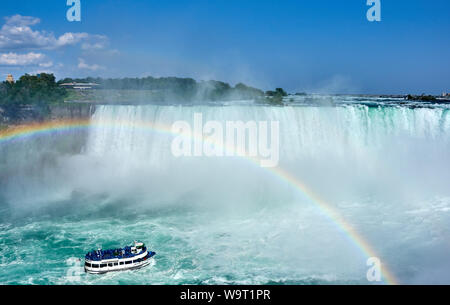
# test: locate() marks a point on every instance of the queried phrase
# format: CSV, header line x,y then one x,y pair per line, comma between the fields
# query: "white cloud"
x,y
95,42
70,39
28,59
19,20
46,64
17,34
83,65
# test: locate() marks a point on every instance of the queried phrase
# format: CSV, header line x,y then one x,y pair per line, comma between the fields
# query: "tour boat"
x,y
130,257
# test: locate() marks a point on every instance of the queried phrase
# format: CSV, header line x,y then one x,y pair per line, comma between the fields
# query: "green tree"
x,y
33,90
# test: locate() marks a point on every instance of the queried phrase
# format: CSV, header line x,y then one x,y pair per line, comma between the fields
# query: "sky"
x,y
314,46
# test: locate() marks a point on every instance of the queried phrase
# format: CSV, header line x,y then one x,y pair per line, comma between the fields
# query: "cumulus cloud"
x,y
28,59
70,39
17,34
83,65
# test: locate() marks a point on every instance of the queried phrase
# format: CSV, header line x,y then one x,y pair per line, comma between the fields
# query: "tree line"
x,y
42,90
186,89
36,90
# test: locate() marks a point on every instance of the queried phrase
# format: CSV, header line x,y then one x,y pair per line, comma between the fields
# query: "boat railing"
x,y
112,254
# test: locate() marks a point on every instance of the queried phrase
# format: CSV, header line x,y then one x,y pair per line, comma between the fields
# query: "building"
x,y
445,94
79,86
10,79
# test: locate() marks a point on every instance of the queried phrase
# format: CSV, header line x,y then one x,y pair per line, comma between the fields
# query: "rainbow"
x,y
17,133
46,128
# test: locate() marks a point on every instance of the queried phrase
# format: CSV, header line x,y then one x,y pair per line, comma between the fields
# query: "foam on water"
x,y
222,220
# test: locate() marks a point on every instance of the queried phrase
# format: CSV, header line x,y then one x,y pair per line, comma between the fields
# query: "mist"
x,y
384,169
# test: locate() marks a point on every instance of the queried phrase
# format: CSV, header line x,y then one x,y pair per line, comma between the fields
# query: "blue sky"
x,y
314,46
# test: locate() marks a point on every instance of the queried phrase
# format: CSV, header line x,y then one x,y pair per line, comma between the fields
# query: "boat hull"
x,y
118,265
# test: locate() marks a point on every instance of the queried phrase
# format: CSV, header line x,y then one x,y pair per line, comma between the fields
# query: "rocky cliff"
x,y
29,114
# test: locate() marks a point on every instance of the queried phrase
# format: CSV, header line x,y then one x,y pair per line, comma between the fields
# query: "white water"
x,y
225,220
400,149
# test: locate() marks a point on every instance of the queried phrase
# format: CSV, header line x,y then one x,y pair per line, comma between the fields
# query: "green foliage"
x,y
147,83
248,92
278,92
161,89
31,90
276,97
41,90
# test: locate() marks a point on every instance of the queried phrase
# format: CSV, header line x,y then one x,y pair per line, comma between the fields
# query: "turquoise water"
x,y
226,221
193,247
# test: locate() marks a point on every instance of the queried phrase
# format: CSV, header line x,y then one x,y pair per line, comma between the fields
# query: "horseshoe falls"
x,y
354,181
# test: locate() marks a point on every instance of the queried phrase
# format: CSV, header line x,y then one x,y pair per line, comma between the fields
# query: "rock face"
x,y
28,114
2,116
71,111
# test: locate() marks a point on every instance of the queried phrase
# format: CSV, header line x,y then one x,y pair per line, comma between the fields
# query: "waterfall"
x,y
226,219
304,131
336,150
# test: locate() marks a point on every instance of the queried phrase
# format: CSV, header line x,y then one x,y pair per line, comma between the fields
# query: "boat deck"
x,y
120,253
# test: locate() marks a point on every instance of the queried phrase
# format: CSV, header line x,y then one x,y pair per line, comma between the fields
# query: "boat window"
x,y
128,262
110,264
103,265
121,263
115,264
88,265
94,266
